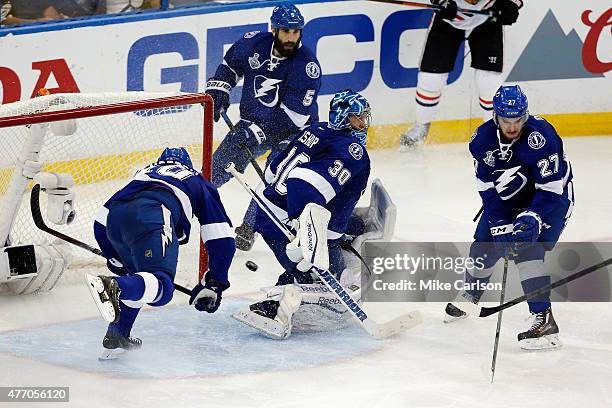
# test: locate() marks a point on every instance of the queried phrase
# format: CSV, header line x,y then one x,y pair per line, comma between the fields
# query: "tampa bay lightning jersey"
x,y
321,165
530,173
196,195
278,94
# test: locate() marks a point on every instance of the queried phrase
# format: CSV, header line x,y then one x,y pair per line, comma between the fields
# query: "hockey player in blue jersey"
x,y
281,82
319,177
139,230
525,181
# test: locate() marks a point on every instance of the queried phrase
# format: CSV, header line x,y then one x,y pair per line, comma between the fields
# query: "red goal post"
x,y
100,139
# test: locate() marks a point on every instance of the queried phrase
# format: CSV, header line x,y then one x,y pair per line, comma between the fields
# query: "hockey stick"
x,y
482,311
40,223
376,330
436,7
245,150
348,247
499,319
478,214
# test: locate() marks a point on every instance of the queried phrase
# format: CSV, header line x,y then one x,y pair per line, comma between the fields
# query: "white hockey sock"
x,y
428,93
487,82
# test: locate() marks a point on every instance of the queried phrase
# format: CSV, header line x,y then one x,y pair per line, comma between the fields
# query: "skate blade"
x,y
96,287
466,307
544,343
111,354
452,319
268,327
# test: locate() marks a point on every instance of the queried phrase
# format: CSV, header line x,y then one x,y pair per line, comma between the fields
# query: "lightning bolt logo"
x,y
262,86
166,235
508,177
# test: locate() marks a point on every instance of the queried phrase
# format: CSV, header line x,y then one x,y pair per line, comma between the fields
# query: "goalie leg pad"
x,y
379,217
51,262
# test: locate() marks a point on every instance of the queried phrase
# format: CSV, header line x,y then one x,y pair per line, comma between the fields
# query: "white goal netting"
x,y
101,154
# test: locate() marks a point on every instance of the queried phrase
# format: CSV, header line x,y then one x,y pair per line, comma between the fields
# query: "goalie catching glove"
x,y
207,297
309,247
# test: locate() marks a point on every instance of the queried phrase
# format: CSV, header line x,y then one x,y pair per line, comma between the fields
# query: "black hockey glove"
x,y
220,92
447,8
247,134
207,297
507,11
116,266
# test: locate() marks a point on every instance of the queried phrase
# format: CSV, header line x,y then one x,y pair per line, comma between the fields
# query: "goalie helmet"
x,y
510,102
175,155
286,16
346,104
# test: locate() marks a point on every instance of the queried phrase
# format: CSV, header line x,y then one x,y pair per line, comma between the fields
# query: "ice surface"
x,y
192,359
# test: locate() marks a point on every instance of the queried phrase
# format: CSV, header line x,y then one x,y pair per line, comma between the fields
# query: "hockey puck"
x,y
252,266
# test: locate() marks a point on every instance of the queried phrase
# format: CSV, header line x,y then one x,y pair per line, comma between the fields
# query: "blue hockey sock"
x,y
132,287
127,317
474,283
539,303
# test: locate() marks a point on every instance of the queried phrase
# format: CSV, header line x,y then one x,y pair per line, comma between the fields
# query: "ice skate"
x,y
245,237
543,333
105,292
414,137
459,308
115,344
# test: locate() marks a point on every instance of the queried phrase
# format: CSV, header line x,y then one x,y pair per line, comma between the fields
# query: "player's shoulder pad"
x,y
251,34
307,63
540,134
252,39
482,137
348,147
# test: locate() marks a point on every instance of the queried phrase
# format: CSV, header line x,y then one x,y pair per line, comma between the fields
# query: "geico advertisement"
x,y
560,53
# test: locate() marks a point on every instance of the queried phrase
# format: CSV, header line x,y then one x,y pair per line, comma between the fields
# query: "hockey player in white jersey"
x,y
447,31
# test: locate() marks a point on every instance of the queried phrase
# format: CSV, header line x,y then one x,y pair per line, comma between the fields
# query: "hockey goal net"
x,y
100,139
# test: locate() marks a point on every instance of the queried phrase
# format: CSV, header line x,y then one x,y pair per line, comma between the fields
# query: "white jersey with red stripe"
x,y
467,21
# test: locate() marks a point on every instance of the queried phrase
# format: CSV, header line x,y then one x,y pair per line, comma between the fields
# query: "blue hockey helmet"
x,y
347,103
510,102
176,155
286,16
